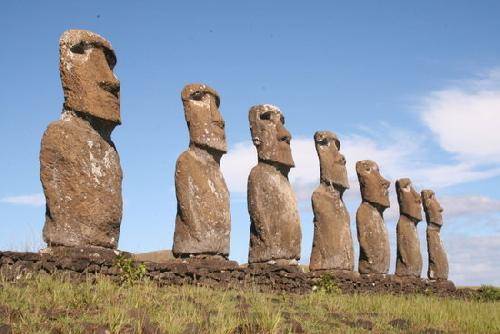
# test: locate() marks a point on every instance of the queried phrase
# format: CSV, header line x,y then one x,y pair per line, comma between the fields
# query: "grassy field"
x,y
45,304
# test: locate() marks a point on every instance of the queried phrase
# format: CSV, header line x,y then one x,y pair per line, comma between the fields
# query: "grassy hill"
x,y
46,304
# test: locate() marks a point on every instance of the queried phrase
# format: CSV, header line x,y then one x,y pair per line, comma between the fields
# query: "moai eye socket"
x,y
78,48
265,116
198,95
282,119
323,142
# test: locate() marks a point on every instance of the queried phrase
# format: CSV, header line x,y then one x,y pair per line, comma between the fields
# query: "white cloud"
x,y
36,200
474,259
466,118
466,205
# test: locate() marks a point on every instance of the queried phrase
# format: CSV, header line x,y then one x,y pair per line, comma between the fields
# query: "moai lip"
x,y
438,261
203,221
409,258
374,249
332,242
79,165
275,233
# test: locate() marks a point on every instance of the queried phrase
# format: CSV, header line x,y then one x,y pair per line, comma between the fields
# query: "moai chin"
x,y
275,233
374,249
79,165
203,221
438,261
332,243
409,259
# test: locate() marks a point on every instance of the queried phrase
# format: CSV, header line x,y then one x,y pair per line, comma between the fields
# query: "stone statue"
x,y
203,221
374,250
409,259
275,233
438,262
332,244
79,165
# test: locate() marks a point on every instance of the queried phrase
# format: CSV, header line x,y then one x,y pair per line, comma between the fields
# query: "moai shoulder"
x,y
374,249
438,261
409,258
332,242
79,165
203,221
275,233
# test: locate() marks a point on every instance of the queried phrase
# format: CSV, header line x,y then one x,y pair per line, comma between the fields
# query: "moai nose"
x,y
283,134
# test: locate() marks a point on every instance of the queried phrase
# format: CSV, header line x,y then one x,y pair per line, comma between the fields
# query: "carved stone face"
x,y
409,200
272,140
432,208
86,65
332,163
374,188
205,123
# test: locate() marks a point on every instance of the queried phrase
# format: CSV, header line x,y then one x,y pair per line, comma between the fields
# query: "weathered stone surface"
x,y
157,256
409,258
224,274
86,66
275,233
332,243
438,261
374,249
79,165
203,221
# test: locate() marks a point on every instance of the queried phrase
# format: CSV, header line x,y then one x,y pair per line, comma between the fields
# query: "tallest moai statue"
x,y
79,165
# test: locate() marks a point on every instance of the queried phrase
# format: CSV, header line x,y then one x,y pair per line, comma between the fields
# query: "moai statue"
x,y
409,259
203,221
332,244
275,233
438,262
79,165
374,249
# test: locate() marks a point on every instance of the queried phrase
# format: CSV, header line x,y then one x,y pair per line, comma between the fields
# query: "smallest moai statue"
x,y
409,259
438,261
332,244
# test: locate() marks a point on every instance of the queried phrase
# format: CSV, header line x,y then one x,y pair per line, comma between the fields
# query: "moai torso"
x,y
409,258
332,243
438,261
79,165
203,221
275,221
374,249
275,233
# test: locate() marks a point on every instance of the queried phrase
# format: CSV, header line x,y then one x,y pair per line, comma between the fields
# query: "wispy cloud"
x,y
36,200
465,118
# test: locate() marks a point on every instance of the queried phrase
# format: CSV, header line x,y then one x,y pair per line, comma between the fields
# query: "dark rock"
x,y
402,324
5,329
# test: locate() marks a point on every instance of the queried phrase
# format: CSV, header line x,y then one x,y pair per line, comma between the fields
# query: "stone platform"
x,y
80,263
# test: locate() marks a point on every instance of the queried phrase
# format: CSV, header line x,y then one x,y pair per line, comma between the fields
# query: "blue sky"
x,y
415,87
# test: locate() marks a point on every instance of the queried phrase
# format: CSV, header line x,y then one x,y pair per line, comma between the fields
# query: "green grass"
x,y
45,304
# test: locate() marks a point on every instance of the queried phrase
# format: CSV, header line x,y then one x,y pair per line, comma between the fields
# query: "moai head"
x,y
269,135
331,161
374,188
432,208
409,200
86,65
205,123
